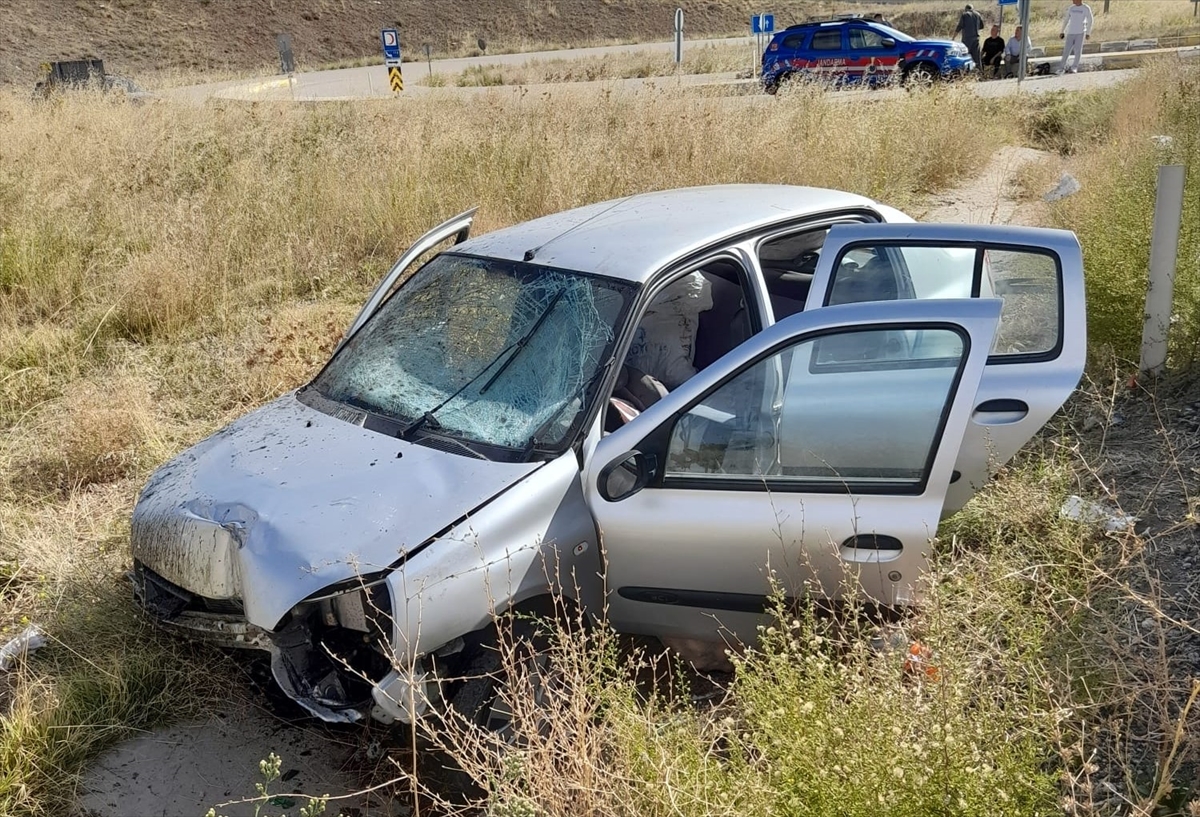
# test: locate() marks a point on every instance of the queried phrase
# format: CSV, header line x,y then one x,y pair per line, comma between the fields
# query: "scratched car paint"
x,y
643,368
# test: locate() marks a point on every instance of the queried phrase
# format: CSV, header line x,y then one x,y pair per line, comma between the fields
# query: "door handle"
x,y
1001,411
873,541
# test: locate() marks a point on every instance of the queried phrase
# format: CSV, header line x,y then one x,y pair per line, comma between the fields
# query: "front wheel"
x,y
505,678
921,75
774,85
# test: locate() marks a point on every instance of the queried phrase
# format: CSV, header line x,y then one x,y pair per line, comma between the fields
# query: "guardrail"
x,y
1117,46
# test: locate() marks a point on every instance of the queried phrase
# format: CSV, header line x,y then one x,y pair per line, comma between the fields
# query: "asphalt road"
x,y
371,82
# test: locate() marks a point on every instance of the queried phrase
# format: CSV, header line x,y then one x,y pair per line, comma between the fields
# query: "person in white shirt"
x,y
1077,27
1012,50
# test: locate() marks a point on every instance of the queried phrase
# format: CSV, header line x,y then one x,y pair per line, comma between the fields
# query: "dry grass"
x,y
710,59
172,267
1116,161
177,266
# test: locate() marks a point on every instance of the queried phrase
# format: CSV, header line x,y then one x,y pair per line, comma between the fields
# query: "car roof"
x,y
633,237
829,21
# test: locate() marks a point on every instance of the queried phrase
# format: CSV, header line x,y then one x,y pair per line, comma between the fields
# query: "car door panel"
x,y
692,554
1040,346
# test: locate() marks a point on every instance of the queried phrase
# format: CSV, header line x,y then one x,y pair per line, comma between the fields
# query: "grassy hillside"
x,y
140,35
141,38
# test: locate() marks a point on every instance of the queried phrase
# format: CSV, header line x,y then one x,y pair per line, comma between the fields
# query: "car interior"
x,y
697,331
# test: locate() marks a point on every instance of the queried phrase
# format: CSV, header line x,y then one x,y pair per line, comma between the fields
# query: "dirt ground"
x,y
186,769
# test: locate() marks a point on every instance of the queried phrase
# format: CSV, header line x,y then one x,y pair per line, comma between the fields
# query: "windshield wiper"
x,y
520,344
535,439
428,417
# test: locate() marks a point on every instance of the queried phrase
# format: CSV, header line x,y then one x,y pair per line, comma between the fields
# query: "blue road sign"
x,y
1008,2
391,43
762,24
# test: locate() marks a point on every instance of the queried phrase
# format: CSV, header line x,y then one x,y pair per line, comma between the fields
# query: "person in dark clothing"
x,y
993,50
970,23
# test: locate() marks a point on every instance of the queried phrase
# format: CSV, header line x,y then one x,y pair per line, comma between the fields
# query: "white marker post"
x,y
1164,246
1023,16
678,36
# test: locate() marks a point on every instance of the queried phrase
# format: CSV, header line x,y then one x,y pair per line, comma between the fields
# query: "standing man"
x,y
1077,27
993,48
970,23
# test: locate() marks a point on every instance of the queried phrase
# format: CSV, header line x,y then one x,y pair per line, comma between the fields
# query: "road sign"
x,y
762,24
395,79
391,43
1007,2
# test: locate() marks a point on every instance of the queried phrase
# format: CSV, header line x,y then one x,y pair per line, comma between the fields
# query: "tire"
x,y
772,88
921,75
480,698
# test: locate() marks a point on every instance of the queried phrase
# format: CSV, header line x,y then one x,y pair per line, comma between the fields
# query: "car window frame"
x,y
825,222
980,248
646,294
657,443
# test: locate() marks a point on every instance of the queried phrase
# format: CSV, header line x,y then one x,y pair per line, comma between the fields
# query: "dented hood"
x,y
288,500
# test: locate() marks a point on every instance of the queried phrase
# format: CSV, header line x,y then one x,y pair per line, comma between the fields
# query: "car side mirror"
x,y
888,42
626,476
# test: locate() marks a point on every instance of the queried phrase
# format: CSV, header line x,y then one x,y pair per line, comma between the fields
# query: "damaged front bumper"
x,y
332,654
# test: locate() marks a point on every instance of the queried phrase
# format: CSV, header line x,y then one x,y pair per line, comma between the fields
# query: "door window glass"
x,y
1029,282
853,409
865,38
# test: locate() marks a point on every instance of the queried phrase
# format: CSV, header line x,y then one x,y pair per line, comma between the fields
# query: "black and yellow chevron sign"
x,y
395,78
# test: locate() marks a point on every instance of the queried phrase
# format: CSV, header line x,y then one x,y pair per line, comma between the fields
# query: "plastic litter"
x,y
1096,513
1067,185
919,662
30,639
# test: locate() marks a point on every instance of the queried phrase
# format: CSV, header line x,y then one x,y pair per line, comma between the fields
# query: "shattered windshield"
x,y
484,351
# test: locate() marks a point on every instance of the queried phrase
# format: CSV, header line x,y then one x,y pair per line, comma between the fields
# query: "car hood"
x,y
940,44
287,501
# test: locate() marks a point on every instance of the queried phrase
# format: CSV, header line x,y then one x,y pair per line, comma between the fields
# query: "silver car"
x,y
650,406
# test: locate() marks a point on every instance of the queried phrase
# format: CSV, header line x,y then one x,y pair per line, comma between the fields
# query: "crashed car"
x,y
660,408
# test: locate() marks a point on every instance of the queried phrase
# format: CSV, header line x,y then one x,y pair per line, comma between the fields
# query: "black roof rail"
x,y
816,21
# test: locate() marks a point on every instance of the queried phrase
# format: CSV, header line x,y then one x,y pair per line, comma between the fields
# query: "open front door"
x,y
458,228
700,498
1039,350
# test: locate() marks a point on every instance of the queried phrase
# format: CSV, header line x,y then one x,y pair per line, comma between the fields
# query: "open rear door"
x,y
1039,350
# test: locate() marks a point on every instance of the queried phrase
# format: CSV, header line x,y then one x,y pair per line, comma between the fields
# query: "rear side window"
x,y
1028,281
830,40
